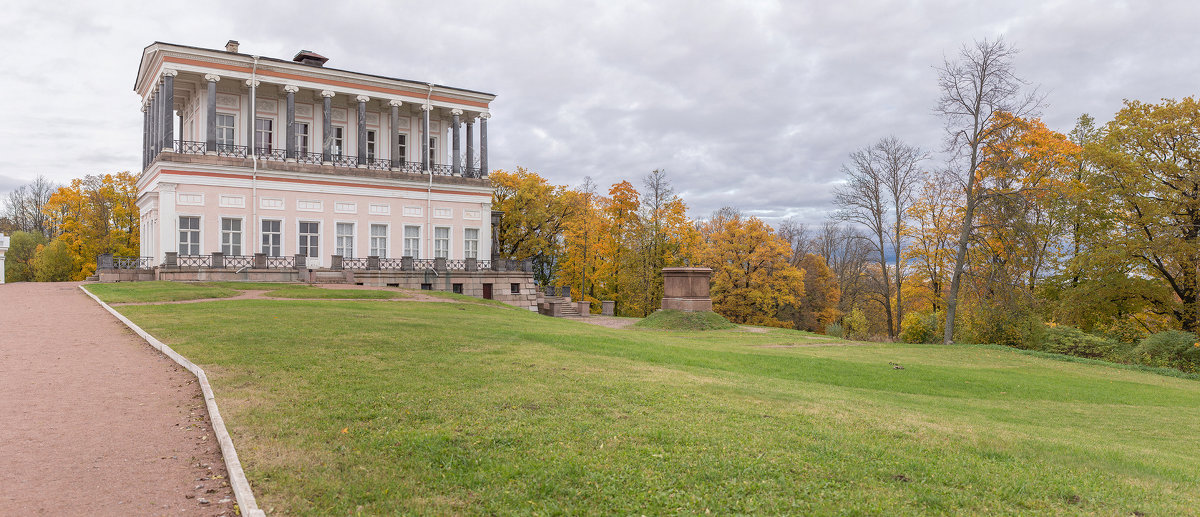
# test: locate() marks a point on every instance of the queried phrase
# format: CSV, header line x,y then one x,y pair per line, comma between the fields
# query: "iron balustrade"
x,y
194,261
131,262
314,158
423,264
456,264
391,263
281,262
235,151
190,147
484,264
354,263
271,153
280,154
238,261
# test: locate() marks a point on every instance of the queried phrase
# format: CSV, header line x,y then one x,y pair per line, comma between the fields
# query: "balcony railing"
x,y
279,154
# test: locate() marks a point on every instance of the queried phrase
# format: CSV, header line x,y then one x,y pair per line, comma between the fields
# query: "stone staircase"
x,y
559,307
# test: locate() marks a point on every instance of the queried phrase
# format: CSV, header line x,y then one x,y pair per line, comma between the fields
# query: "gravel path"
x,y
94,420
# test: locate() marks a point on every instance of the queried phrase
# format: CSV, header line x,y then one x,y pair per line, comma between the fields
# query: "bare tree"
x,y
797,235
845,251
975,87
878,190
23,207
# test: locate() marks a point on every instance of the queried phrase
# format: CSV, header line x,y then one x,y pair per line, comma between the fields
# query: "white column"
x,y
168,222
485,232
3,248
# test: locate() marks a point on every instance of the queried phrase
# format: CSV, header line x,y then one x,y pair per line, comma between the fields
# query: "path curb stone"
x,y
237,477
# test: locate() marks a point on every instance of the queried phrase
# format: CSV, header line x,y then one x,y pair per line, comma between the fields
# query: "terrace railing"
x,y
281,262
354,263
272,153
131,262
239,261
194,261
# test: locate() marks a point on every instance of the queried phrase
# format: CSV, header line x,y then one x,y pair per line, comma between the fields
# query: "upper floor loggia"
x,y
226,104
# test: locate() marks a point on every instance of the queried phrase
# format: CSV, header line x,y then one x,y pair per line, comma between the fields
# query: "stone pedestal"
x,y
608,308
686,289
584,307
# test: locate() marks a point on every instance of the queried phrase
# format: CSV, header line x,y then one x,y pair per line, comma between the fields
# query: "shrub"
x,y
53,263
18,264
1171,349
1072,341
920,327
855,325
1016,326
834,330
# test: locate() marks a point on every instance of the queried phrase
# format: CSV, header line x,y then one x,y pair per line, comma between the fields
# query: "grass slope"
x,y
462,408
680,320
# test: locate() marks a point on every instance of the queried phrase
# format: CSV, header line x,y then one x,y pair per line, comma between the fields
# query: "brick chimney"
x,y
231,46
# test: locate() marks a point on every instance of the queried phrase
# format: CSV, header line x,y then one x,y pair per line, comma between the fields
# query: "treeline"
x,y
57,231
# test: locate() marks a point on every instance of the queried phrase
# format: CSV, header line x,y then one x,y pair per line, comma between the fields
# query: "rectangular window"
x,y
264,134
457,288
412,241
302,137
433,150
345,240
379,240
272,238
401,147
231,236
339,145
370,144
514,288
189,235
441,242
309,237
471,243
225,131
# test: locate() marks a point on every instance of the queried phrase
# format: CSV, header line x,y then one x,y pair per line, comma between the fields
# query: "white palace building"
x,y
261,164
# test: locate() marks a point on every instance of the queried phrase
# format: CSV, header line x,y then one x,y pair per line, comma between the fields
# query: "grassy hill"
x,y
461,408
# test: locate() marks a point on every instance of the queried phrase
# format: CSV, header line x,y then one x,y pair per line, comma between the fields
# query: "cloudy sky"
x,y
747,104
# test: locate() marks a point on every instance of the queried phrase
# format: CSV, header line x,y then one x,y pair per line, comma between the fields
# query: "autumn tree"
x,y
975,87
1150,186
96,214
752,275
933,224
18,260
535,215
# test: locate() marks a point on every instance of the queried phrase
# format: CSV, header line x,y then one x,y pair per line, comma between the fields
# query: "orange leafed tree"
x,y
752,275
96,214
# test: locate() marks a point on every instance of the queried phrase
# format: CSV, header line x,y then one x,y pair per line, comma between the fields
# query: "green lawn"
x,y
160,291
451,408
304,291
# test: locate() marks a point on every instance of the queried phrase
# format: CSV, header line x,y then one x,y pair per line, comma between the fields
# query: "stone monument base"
x,y
686,289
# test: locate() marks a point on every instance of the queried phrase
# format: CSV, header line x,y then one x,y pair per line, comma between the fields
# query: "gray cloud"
x,y
747,104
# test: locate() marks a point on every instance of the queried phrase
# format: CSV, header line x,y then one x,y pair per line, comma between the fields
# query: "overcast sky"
x,y
747,104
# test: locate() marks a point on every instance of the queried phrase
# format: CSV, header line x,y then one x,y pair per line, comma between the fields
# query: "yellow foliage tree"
x,y
96,214
752,275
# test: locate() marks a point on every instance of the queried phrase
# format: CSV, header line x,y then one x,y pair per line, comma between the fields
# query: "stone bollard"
x,y
406,263
172,259
608,308
439,264
104,261
260,261
218,260
585,308
373,262
335,262
471,264
301,261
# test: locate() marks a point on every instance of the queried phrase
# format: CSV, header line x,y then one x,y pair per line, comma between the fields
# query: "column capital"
x,y
362,98
426,107
456,111
212,78
253,83
395,103
485,115
327,93
291,88
169,72
146,105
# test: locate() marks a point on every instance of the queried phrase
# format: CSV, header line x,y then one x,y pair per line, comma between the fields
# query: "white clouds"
x,y
753,105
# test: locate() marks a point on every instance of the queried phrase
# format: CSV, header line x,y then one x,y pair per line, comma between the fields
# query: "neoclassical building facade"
x,y
247,155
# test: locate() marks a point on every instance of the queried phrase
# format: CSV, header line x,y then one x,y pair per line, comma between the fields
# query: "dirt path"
x,y
611,322
94,420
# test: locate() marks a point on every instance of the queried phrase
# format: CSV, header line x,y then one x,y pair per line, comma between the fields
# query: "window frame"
x,y
221,130
338,247
229,248
416,239
266,248
372,249
198,231
467,249
269,133
449,237
303,249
